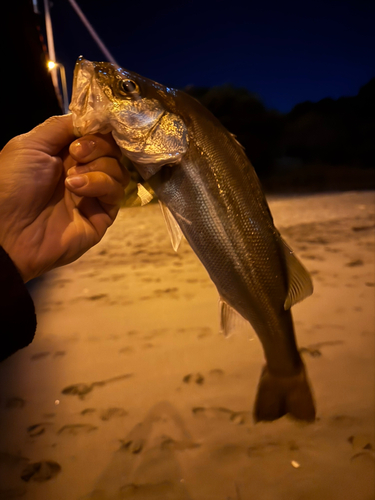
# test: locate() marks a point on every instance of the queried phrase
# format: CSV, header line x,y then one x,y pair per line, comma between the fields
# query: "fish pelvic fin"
x,y
300,283
278,396
173,228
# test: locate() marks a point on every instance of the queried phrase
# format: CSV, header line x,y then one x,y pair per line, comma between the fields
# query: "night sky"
x,y
285,52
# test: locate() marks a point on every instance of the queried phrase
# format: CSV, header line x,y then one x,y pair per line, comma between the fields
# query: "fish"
x,y
210,193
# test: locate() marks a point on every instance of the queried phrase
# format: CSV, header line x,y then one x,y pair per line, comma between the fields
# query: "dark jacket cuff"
x,y
17,312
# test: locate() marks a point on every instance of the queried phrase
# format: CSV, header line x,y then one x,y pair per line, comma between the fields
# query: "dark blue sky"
x,y
286,52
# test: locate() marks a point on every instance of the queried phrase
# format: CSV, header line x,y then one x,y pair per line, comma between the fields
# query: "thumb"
x,y
50,136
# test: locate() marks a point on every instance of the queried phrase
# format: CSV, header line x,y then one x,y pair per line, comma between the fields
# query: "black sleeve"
x,y
17,312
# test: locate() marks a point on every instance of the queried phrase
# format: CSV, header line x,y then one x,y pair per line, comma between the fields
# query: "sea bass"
x,y
210,193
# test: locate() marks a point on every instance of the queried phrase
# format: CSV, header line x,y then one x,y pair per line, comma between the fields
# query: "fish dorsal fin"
x,y
173,228
235,138
230,319
144,195
300,283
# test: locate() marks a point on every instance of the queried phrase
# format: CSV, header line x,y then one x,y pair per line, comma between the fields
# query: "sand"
x,y
130,392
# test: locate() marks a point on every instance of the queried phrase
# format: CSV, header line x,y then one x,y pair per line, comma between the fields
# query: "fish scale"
x,y
202,175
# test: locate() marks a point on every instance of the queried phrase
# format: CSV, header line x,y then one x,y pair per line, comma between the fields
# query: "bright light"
x,y
54,65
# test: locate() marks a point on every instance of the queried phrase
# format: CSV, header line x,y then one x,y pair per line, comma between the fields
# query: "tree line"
x,y
330,132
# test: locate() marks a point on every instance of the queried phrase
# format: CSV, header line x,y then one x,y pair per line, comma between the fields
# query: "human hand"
x,y
58,194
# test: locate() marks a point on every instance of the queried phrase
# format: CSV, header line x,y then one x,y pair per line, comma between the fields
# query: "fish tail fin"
x,y
278,396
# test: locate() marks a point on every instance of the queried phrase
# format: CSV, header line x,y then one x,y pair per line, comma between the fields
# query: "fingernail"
x,y
72,171
82,148
77,181
78,170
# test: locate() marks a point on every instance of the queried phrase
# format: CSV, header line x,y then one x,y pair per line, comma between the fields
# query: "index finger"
x,y
91,147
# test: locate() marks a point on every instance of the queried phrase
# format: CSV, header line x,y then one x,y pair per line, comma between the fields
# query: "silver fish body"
x,y
202,175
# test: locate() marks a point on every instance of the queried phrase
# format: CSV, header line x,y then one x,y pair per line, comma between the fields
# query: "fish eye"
x,y
128,87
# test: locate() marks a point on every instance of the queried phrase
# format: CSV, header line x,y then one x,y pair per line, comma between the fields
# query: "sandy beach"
x,y
129,391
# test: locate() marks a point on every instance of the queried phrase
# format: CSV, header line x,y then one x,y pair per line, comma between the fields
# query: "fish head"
x,y
140,113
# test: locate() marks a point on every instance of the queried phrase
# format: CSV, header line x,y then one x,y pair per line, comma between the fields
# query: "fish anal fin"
x,y
173,228
279,396
230,319
299,279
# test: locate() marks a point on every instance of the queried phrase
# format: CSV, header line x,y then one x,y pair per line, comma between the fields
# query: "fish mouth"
x,y
88,101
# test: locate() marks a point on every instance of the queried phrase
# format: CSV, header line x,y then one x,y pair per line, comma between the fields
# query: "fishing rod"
x,y
92,32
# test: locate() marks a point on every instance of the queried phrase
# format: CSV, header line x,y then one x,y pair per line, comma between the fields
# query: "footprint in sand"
x,y
217,413
168,443
148,345
78,389
40,471
311,351
228,452
216,373
267,447
131,333
355,263
170,292
133,446
96,297
360,442
204,332
15,402
37,429
163,489
313,257
126,350
362,446
88,411
366,455
76,429
197,378
59,354
314,350
344,420
49,415
61,282
40,355
362,228
82,389
110,413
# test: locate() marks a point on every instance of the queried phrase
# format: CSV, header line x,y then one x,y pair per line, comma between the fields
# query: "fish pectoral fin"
x,y
173,228
230,319
143,194
135,197
299,279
